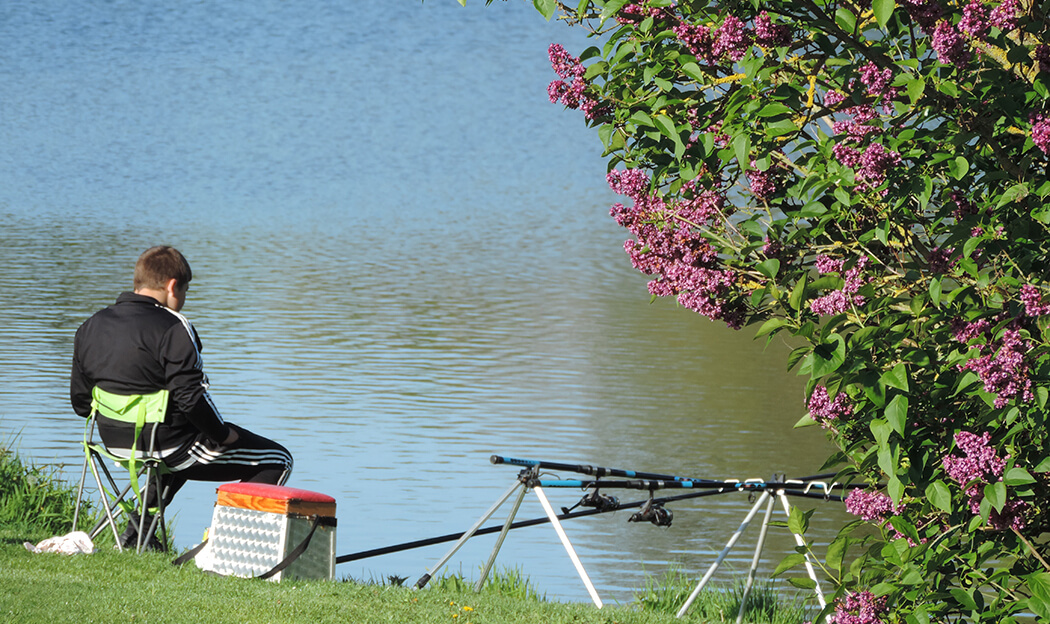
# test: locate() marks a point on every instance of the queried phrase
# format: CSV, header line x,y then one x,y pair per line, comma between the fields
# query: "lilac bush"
x,y
870,177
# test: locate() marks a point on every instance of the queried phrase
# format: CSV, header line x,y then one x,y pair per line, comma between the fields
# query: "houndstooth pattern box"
x,y
255,526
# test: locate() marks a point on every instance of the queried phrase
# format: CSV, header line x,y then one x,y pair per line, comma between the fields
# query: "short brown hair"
x,y
159,264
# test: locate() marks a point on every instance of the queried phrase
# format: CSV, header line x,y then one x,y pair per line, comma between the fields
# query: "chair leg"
x,y
80,492
156,519
108,519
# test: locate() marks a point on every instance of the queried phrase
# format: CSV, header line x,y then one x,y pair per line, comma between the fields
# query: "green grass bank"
x,y
110,586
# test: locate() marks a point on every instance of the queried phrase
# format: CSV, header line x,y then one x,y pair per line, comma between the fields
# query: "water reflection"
x,y
403,264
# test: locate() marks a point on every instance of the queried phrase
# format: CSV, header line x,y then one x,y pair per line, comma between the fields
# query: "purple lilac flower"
x,y
857,126
980,466
839,301
925,13
1004,16
770,35
974,21
835,302
631,182
858,608
950,47
1011,517
826,411
827,264
563,63
877,81
762,184
875,162
1033,301
963,206
556,89
940,261
1004,369
697,38
772,247
571,95
1040,131
981,462
731,39
1042,54
682,261
831,98
870,505
701,207
847,156
635,12
965,332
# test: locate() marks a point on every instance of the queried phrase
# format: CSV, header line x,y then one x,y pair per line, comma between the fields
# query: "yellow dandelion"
x,y
455,615
468,608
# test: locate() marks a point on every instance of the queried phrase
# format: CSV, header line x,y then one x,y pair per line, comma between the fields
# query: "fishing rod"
x,y
375,552
598,471
595,471
789,487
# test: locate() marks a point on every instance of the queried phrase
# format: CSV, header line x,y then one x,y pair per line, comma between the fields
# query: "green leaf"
x,y
939,494
742,148
1044,466
802,583
964,598
797,354
916,87
798,522
789,562
771,325
958,167
1039,583
769,268
798,293
1017,476
828,357
780,128
836,552
918,616
1015,192
896,378
845,19
883,10
895,488
805,421
772,109
692,70
995,494
546,7
880,430
612,7
935,291
897,413
667,128
642,119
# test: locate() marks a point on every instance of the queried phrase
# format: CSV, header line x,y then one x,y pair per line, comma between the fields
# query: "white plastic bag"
x,y
75,543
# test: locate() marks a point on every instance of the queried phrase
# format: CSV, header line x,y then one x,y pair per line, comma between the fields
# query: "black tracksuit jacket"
x,y
138,346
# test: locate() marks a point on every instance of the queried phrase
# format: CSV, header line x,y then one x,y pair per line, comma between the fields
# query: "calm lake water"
x,y
403,263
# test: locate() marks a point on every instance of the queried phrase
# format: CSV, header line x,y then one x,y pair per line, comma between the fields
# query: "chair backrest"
x,y
137,409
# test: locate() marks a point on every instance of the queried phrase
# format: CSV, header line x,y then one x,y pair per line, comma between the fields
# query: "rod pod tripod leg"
x,y
499,541
780,494
423,580
568,547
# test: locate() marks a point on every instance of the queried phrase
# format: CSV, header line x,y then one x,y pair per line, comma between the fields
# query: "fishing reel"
x,y
597,500
653,512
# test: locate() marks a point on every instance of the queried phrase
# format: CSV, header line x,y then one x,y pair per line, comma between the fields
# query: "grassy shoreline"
x,y
110,586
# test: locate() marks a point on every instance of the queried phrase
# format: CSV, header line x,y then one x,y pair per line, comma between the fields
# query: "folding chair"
x,y
146,412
